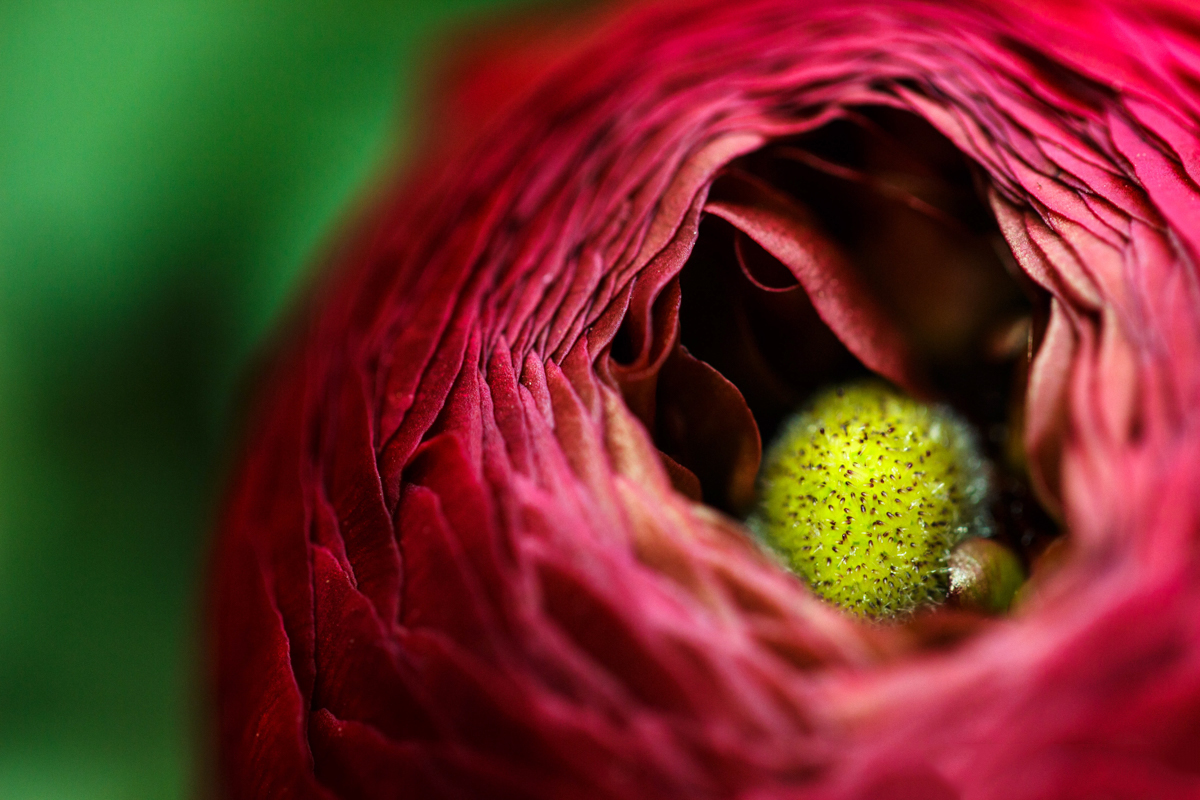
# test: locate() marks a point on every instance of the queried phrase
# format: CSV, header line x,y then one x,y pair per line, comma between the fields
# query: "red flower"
x,y
456,562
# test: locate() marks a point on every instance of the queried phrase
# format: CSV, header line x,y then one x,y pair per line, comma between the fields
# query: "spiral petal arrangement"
x,y
483,540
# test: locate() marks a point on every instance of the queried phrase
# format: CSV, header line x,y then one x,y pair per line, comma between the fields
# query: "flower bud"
x,y
984,576
866,492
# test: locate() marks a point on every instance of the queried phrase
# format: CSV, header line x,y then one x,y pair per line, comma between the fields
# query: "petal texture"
x,y
465,557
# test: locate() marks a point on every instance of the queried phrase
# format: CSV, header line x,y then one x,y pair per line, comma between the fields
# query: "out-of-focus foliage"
x,y
167,170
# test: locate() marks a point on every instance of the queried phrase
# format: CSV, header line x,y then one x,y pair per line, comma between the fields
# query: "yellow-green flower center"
x,y
866,492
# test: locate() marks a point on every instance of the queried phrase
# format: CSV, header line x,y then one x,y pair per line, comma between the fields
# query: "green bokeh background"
x,y
168,168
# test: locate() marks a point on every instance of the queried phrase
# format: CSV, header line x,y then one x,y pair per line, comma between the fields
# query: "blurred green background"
x,y
168,169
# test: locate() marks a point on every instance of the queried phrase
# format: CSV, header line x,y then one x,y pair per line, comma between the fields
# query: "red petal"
x,y
839,295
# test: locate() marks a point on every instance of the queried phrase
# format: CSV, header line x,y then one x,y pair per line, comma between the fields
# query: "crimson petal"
x,y
453,562
838,294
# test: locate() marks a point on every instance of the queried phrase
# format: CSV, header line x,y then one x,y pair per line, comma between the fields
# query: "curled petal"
x,y
837,292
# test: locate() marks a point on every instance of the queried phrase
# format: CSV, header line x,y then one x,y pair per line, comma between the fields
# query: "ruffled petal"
x,y
466,556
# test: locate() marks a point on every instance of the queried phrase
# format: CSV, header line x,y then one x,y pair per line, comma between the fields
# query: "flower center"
x,y
866,492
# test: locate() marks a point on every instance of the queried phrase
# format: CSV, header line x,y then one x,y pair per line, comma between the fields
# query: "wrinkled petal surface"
x,y
465,554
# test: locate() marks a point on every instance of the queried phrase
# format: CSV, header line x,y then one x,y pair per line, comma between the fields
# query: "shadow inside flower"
x,y
896,264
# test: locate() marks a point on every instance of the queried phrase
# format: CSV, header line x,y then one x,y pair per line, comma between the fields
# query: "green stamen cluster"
x,y
866,492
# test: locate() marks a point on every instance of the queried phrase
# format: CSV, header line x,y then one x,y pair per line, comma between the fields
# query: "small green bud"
x,y
984,576
866,492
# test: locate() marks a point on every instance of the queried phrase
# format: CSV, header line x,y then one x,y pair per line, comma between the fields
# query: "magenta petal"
x,y
716,438
1046,412
838,294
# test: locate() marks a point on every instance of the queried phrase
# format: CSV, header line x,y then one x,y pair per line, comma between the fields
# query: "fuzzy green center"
x,y
866,492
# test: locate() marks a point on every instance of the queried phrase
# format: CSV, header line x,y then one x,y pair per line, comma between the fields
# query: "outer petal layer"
x,y
456,564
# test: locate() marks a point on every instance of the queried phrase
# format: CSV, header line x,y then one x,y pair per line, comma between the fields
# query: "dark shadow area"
x,y
906,209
